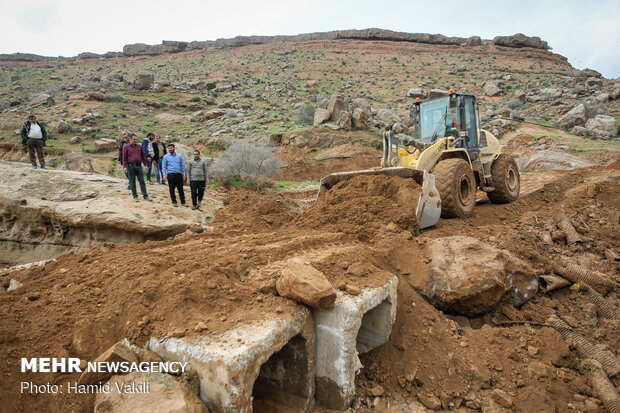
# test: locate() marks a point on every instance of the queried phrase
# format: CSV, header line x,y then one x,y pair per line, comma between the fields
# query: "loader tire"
x,y
456,184
506,180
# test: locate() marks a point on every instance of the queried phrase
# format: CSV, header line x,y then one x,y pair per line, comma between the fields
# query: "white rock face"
x,y
52,211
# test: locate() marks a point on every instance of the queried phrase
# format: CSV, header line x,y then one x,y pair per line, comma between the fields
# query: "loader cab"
x,y
455,115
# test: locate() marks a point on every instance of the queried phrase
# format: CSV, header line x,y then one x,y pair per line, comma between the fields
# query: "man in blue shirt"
x,y
173,169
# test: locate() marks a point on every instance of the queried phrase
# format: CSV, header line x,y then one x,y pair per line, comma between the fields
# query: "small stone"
x,y
537,370
430,401
342,286
502,398
177,332
14,285
376,391
279,310
33,296
200,326
353,290
532,350
63,270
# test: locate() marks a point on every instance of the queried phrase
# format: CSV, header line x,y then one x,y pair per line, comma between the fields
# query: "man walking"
x,y
197,178
33,136
124,142
133,158
159,151
147,147
173,167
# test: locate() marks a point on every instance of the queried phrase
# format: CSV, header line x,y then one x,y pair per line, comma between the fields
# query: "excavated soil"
x,y
359,233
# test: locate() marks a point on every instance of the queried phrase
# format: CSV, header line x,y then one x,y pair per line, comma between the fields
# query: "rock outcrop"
x,y
48,212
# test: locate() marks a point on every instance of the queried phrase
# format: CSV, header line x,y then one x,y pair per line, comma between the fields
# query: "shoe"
x,y
43,167
198,206
148,199
128,186
136,199
194,207
174,204
34,166
184,205
149,182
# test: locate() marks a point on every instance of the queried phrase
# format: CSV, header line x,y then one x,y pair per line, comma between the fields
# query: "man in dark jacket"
x,y
33,136
159,151
124,142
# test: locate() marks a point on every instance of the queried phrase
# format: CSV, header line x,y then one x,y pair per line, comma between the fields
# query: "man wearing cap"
x,y
33,136
173,168
133,159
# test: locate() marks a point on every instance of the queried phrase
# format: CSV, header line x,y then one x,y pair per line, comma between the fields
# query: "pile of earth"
x,y
365,205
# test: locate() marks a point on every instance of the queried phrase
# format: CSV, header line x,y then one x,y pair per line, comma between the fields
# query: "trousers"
x,y
198,190
36,145
175,181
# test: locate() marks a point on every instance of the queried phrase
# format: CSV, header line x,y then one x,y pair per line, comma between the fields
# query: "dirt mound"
x,y
364,205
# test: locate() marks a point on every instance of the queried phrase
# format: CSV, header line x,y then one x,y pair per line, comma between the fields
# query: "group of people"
x,y
168,168
151,152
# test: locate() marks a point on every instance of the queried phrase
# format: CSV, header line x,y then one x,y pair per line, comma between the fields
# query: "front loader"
x,y
449,155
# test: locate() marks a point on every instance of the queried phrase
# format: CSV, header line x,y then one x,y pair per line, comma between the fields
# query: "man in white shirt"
x,y
33,136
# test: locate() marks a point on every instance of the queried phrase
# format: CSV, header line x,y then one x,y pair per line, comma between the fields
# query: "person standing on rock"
x,y
124,142
173,167
147,146
159,151
197,178
133,159
33,136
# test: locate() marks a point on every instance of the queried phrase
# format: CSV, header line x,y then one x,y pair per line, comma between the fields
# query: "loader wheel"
x,y
506,180
456,184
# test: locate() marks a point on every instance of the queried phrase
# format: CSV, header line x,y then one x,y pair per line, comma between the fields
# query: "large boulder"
x,y
165,394
42,99
550,93
551,160
603,125
78,161
62,127
491,89
577,116
417,93
362,104
204,115
344,121
305,284
360,118
387,116
473,41
435,93
321,116
336,106
143,81
520,40
469,277
104,144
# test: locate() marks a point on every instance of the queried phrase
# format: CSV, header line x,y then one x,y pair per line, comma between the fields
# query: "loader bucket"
x,y
428,209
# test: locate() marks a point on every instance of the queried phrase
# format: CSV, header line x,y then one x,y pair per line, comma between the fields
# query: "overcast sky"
x,y
586,32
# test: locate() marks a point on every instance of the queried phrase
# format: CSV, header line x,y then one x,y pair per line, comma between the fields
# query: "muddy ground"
x,y
360,233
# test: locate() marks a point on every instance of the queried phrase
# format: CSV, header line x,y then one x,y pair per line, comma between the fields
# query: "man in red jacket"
x,y
133,159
